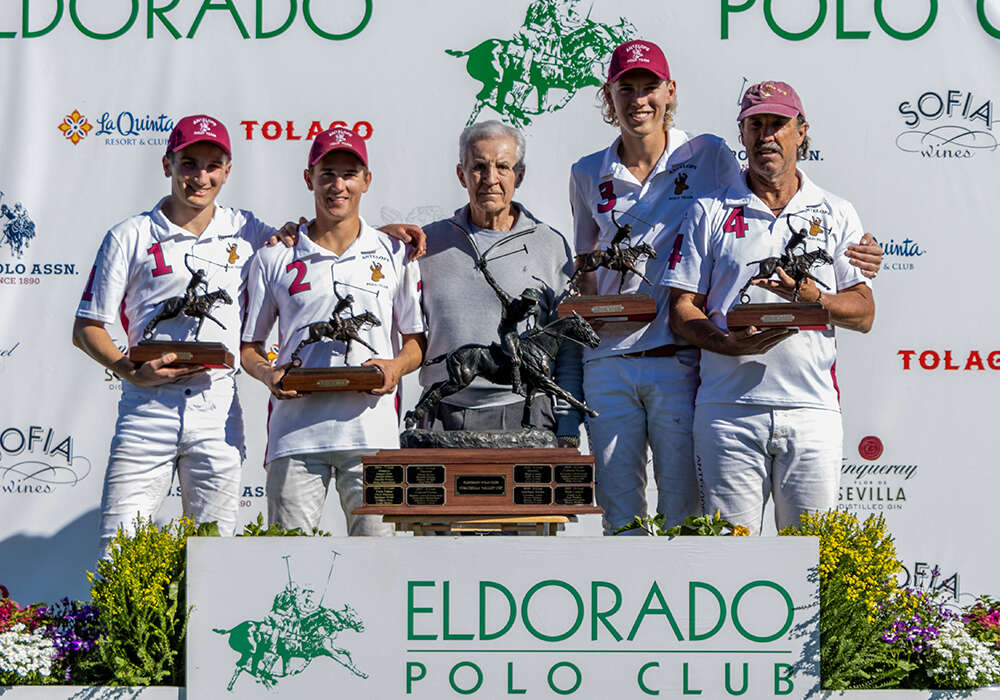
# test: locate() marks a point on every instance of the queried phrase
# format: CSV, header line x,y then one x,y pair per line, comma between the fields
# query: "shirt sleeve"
x,y
407,315
585,228
261,309
691,258
255,231
847,274
107,283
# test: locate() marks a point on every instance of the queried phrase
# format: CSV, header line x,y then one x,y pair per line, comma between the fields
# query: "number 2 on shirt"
x,y
735,224
300,272
607,190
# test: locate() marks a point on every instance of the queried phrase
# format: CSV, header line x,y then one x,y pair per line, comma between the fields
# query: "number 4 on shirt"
x,y
735,224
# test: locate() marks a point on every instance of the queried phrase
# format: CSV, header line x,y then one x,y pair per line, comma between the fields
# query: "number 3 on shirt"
x,y
607,190
735,224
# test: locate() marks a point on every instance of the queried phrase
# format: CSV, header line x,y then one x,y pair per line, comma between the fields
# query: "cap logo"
x,y
636,52
204,126
339,136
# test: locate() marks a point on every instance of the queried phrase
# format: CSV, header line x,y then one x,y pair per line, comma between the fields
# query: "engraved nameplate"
x,y
574,473
425,496
425,474
384,474
532,495
574,495
485,485
532,473
384,496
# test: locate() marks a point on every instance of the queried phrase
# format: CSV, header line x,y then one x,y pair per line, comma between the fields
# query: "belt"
x,y
661,351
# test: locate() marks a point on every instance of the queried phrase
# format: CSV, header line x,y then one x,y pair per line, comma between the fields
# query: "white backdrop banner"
x,y
902,102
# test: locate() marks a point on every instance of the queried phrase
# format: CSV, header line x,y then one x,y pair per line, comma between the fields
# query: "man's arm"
x,y
852,308
408,233
255,363
92,337
411,354
688,321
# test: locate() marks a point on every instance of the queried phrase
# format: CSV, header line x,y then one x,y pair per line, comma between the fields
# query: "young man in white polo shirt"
x,y
767,417
183,419
318,437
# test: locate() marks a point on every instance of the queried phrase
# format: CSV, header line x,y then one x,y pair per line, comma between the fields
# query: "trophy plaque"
x,y
210,355
478,482
345,328
622,259
306,380
804,316
193,305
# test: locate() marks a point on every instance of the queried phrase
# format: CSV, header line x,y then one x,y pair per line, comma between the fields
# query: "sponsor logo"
x,y
948,124
75,127
872,485
813,155
949,360
923,576
297,630
900,255
290,130
556,52
38,460
17,232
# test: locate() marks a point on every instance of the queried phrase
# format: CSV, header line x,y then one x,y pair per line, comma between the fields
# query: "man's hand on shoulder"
x,y
287,234
408,233
866,256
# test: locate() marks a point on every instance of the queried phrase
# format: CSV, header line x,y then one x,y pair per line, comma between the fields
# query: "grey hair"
x,y
491,129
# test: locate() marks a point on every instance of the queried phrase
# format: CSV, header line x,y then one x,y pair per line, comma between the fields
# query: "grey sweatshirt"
x,y
460,307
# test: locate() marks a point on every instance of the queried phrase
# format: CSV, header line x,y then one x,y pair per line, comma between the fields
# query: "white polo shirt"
x,y
691,167
295,287
724,232
141,264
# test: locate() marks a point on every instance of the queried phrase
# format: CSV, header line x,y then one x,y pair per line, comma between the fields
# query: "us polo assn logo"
x,y
555,53
297,630
16,229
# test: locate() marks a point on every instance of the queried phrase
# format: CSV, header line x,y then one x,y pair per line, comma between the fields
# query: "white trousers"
x,y
642,401
195,430
297,486
743,454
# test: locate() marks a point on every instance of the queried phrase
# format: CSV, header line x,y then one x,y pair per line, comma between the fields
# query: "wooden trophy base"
x,y
805,317
478,482
306,380
210,355
610,307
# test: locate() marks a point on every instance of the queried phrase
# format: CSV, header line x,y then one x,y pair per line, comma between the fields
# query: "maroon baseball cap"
x,y
771,97
338,138
197,128
638,54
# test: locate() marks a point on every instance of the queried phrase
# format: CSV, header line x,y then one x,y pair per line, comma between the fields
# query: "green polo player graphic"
x,y
555,50
295,631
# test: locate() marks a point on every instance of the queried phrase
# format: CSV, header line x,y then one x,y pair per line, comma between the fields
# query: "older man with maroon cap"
x,y
173,419
320,437
767,420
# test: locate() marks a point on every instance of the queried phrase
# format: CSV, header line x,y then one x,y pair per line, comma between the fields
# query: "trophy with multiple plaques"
x,y
794,314
623,258
340,327
195,305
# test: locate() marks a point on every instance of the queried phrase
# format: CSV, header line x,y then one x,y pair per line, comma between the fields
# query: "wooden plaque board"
x,y
610,307
478,482
306,380
806,317
211,355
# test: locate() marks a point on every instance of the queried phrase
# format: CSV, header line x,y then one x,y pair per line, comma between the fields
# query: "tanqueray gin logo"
x,y
555,53
297,630
948,124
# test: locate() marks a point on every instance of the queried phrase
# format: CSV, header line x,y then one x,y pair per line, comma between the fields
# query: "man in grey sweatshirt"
x,y
459,305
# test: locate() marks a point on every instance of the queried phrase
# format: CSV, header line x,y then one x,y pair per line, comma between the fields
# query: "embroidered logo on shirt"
x,y
376,269
815,226
680,184
233,255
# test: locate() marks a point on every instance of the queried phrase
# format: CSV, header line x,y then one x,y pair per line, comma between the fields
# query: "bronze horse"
x,y
345,329
538,351
199,307
614,257
795,266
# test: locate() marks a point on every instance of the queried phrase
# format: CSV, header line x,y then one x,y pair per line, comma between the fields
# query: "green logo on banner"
x,y
296,631
555,53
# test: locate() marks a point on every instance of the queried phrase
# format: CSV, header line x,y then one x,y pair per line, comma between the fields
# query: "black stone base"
x,y
477,439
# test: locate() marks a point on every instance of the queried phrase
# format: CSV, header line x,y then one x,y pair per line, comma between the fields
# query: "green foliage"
x,y
257,529
139,593
697,525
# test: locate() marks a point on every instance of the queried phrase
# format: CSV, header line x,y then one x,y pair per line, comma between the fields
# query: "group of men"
x,y
768,387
